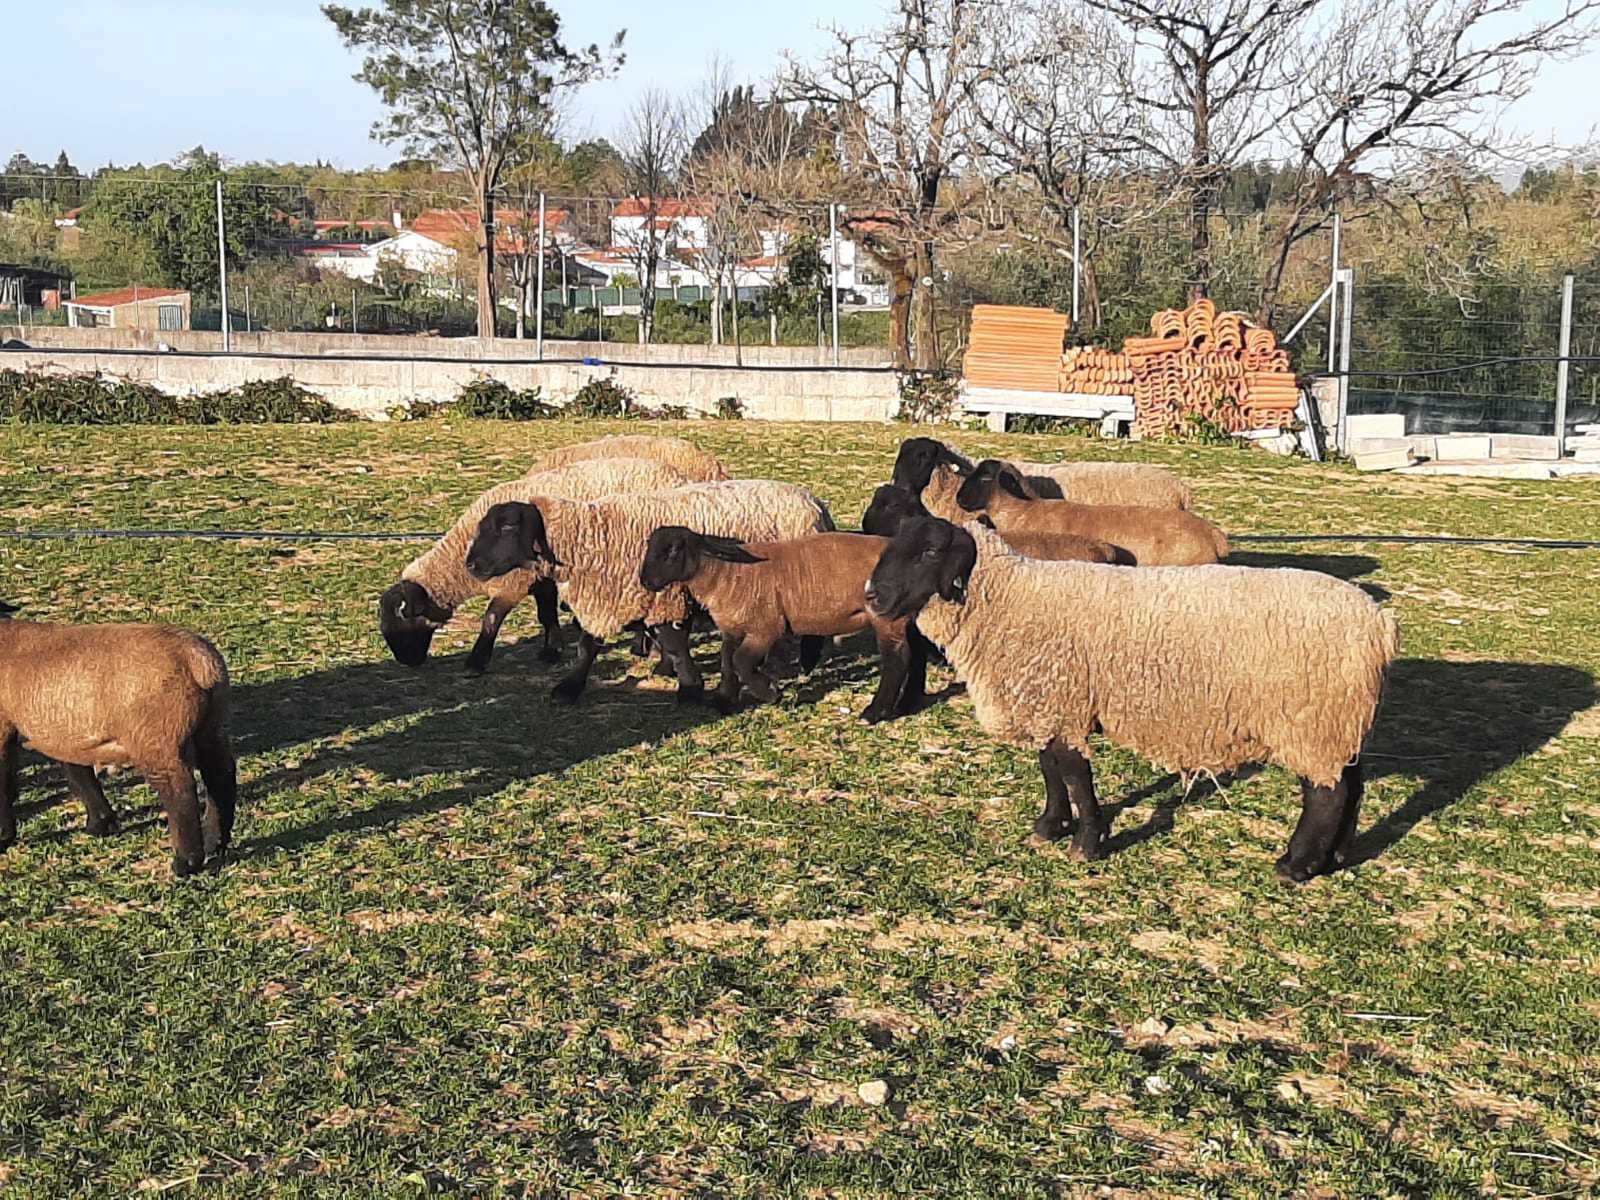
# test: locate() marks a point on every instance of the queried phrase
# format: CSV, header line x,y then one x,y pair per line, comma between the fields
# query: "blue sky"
x,y
141,80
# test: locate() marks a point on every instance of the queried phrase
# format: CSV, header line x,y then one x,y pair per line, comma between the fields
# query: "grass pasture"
x,y
474,944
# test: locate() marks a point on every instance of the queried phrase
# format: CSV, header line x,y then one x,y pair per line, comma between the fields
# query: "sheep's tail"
x,y
208,669
1220,541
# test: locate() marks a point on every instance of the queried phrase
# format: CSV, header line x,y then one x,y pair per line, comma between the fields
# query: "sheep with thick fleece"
x,y
594,551
1144,537
435,582
695,464
933,469
153,697
892,506
1200,669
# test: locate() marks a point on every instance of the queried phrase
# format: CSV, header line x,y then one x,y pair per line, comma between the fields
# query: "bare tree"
x,y
652,151
898,97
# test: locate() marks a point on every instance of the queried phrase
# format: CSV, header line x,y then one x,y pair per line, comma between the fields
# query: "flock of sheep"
x,y
1072,599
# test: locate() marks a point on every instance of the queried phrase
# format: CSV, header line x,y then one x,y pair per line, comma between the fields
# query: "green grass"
x,y
475,944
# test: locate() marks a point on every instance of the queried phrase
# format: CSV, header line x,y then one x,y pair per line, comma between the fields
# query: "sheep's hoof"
x,y
1050,829
185,865
7,843
1085,852
567,691
1287,869
101,828
664,670
549,655
691,693
477,667
874,714
910,706
217,860
725,704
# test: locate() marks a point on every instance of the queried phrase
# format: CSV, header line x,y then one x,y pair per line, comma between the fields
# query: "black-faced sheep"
x,y
1201,669
594,552
437,581
932,469
813,586
693,463
892,506
1145,537
151,697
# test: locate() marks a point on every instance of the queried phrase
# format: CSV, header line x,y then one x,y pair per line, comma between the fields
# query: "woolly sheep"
x,y
594,552
892,506
1145,537
152,697
814,586
436,582
1201,669
917,467
695,464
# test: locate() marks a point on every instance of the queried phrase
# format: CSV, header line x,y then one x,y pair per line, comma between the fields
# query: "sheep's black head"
x,y
675,553
408,618
913,466
977,489
927,558
891,506
510,537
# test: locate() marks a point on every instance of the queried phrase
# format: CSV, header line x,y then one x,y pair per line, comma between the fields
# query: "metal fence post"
x,y
1077,267
1561,367
247,326
1348,278
1333,298
833,271
222,271
538,319
353,328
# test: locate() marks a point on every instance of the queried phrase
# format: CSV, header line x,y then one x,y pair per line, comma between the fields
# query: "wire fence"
x,y
403,260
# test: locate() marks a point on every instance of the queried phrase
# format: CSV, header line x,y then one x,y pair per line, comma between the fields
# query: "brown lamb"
x,y
151,697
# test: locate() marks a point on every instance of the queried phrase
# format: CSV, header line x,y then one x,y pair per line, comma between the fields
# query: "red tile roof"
x,y
449,226
323,226
666,207
127,295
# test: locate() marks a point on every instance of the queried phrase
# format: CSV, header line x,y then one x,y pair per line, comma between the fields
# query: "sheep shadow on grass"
x,y
1451,724
1349,567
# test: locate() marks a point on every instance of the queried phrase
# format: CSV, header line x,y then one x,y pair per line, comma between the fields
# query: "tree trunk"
x,y
1202,185
900,288
927,328
522,304
486,231
738,345
716,310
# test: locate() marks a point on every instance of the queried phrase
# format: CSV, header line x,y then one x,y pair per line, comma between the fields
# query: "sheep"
x,y
1145,537
891,506
695,464
917,467
814,586
436,582
153,697
1201,669
593,550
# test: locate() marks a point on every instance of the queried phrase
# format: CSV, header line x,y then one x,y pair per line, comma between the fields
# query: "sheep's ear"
x,y
1011,482
986,520
542,549
728,550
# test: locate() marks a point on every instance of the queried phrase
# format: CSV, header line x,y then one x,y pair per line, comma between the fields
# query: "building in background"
x,y
148,308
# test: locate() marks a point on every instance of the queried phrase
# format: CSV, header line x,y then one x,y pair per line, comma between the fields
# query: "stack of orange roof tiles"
x,y
1090,370
1015,347
1202,363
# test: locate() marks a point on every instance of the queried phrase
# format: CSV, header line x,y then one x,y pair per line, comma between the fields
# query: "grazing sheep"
x,y
1144,537
917,468
152,697
892,506
594,552
693,463
436,582
1201,669
814,586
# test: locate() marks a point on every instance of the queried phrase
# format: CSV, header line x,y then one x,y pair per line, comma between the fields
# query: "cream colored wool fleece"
x,y
1113,483
1196,668
696,465
442,569
602,544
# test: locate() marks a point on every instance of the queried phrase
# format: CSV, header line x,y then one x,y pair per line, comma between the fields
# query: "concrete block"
x,y
1375,425
1384,460
1465,447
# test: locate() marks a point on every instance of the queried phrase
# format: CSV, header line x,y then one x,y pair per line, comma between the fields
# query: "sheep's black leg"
x,y
640,647
1056,821
547,599
915,690
483,648
220,774
174,783
726,697
894,662
1322,819
9,753
674,643
811,652
1344,844
1090,842
570,688
100,820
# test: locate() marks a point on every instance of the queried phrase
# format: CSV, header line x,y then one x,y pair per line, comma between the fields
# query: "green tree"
x,y
471,83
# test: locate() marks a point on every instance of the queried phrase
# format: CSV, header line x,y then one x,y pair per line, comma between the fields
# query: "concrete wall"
x,y
358,345
371,387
